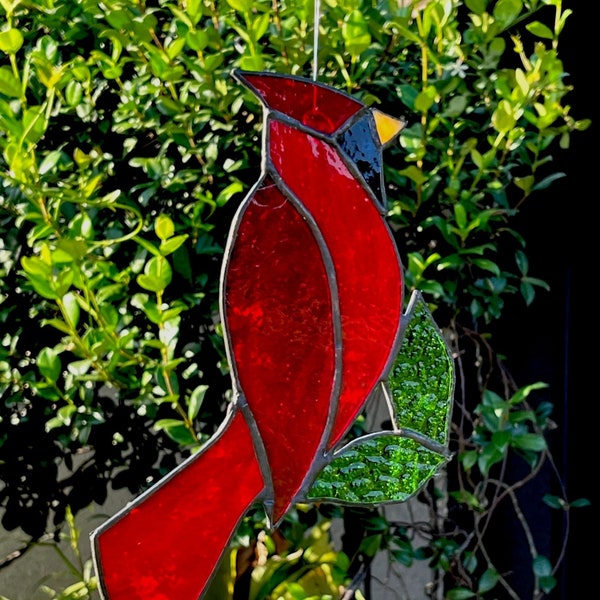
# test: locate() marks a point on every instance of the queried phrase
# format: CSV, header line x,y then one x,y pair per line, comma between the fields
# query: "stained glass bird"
x,y
311,301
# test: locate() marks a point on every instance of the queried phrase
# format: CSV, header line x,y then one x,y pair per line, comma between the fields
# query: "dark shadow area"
x,y
554,341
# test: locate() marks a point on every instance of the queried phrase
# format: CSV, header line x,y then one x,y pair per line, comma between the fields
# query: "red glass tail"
x,y
167,543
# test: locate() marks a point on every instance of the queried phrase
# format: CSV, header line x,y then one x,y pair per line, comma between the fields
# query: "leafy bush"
x,y
126,147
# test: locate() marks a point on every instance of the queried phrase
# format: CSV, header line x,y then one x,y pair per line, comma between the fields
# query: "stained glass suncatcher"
x,y
311,306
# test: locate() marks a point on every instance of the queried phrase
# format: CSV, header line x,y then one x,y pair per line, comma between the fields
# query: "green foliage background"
x,y
126,147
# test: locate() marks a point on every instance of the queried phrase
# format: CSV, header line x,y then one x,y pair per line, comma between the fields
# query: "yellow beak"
x,y
387,127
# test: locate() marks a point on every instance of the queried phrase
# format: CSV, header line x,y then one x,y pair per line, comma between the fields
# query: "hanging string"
x,y
317,19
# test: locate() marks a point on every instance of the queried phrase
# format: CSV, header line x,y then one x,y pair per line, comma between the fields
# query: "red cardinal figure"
x,y
311,301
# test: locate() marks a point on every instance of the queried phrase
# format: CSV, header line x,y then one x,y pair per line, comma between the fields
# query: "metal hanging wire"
x,y
317,19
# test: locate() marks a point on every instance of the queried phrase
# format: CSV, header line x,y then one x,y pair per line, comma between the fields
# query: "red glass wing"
x,y
367,266
278,319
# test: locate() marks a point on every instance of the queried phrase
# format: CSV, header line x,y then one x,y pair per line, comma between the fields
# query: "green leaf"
x,y
355,32
69,251
71,308
522,261
406,32
534,281
195,401
79,367
554,501
82,226
164,227
11,40
49,364
542,566
459,594
529,441
490,456
468,498
9,85
456,107
176,430
404,557
486,265
408,95
108,291
63,281
44,287
252,63
149,246
476,6
74,93
259,27
242,6
425,99
63,417
506,11
197,40
548,181
50,161
34,265
547,583
541,30
460,215
523,393
58,324
118,19
527,291
371,544
157,274
580,502
175,47
415,174
501,439
34,123
468,459
502,118
525,183
488,581
213,61
285,570
168,246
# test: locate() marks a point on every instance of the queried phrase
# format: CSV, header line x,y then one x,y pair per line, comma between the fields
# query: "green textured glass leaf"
x,y
422,377
392,466
384,467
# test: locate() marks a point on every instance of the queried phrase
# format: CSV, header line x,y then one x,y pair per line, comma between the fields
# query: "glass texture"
x,y
167,549
387,127
382,469
422,377
364,255
322,108
278,319
361,145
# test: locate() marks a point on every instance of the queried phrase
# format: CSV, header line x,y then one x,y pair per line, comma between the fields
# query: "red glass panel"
x,y
278,319
322,108
168,547
364,254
